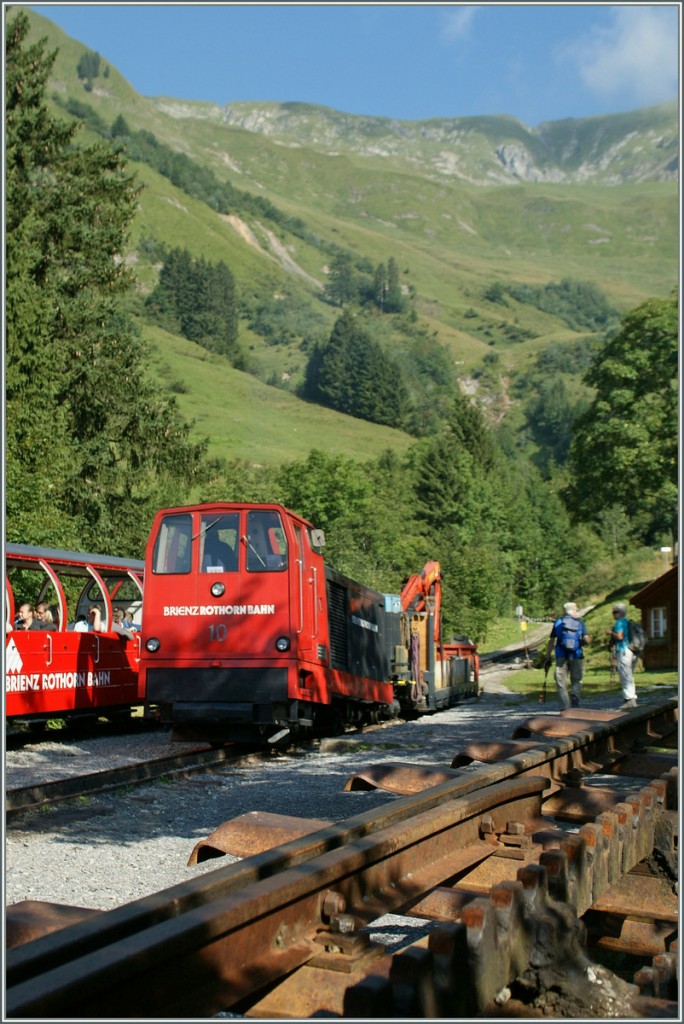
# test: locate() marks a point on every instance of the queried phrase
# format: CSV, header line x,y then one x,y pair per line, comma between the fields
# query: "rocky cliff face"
x,y
610,150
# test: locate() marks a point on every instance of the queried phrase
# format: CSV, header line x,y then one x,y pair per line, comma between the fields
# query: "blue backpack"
x,y
571,633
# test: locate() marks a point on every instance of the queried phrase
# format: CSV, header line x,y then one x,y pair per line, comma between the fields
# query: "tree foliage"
x,y
500,532
366,511
92,448
394,299
88,66
551,414
428,369
353,280
352,374
581,304
198,299
624,450
342,286
285,318
491,521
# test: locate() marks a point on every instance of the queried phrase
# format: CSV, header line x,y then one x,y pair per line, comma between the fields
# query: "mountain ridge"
x,y
637,146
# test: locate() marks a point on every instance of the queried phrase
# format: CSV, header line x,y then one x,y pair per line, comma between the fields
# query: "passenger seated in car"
x,y
94,620
27,619
45,614
120,625
79,626
129,621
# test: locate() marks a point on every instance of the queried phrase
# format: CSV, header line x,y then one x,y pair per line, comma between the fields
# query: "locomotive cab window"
x,y
266,542
173,546
219,542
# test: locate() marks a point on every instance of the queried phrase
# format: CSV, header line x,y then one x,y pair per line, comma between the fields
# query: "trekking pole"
x,y
542,695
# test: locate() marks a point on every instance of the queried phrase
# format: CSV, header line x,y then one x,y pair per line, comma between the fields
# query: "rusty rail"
x,y
221,940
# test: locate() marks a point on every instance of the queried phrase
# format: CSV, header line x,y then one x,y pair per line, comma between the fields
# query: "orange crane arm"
x,y
420,586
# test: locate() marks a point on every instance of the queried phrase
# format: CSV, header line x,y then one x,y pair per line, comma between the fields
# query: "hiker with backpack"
x,y
570,635
628,640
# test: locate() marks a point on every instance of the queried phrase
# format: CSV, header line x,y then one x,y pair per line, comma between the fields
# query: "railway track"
x,y
510,656
203,758
517,854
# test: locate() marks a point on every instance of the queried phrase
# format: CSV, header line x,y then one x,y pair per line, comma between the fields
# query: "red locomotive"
x,y
64,669
248,633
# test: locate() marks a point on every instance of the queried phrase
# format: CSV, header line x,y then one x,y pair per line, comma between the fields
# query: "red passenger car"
x,y
68,671
248,633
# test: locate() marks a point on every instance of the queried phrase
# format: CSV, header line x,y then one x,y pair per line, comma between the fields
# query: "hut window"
x,y
658,628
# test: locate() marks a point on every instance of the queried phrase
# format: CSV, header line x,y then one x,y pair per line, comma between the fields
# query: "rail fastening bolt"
x,y
334,904
515,828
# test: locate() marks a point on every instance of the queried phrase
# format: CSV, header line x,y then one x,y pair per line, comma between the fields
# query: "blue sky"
x,y
538,62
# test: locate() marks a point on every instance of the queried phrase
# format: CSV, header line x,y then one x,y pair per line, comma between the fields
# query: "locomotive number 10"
x,y
218,633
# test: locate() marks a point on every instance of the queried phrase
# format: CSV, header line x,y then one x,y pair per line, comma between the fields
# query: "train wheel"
x,y
330,721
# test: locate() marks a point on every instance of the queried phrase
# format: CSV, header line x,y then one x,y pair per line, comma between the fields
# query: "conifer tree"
x,y
89,65
354,375
91,447
342,286
380,285
469,427
197,299
120,127
336,367
394,299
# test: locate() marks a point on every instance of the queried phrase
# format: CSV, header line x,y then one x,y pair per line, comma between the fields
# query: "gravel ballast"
x,y
104,851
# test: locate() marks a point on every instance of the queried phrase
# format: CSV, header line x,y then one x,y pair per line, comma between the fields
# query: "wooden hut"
x,y
658,603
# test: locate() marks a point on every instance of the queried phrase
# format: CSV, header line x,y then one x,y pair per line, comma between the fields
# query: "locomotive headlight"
x,y
152,644
218,589
283,643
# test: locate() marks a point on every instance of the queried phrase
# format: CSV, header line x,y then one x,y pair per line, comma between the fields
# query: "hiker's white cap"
x,y
570,608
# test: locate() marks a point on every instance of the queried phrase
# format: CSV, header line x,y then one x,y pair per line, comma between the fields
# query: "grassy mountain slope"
x,y
249,420
551,209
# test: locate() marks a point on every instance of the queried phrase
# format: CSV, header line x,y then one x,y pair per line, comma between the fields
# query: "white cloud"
x,y
457,22
636,56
